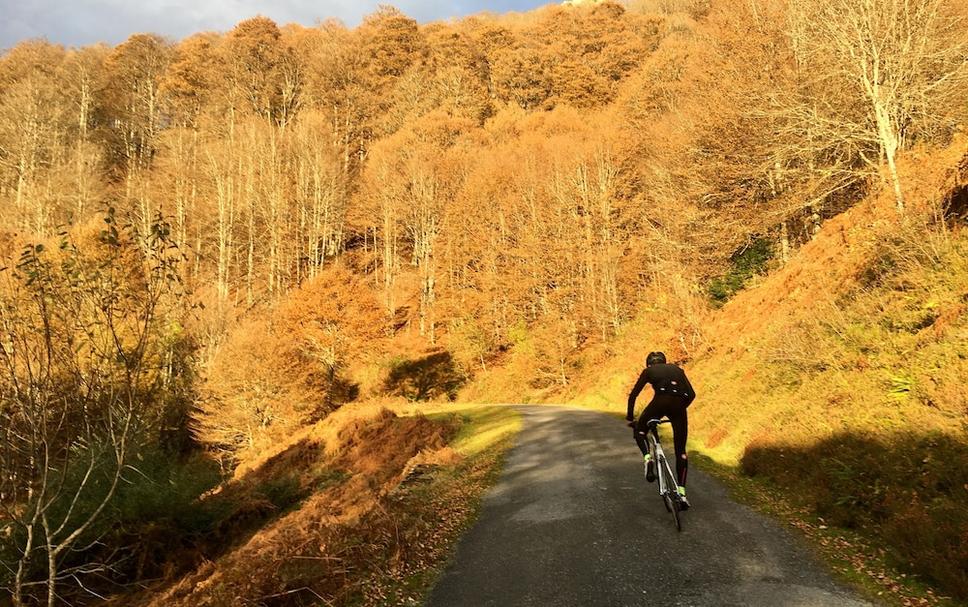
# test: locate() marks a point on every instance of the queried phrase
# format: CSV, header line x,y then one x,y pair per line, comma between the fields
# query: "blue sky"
x,y
81,22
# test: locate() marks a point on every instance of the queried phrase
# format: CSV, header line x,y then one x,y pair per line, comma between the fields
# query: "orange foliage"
x,y
394,202
277,373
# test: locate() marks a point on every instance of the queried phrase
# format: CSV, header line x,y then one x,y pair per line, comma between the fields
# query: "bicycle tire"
x,y
672,499
675,515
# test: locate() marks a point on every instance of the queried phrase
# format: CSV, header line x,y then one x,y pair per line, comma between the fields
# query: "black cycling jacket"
x,y
667,380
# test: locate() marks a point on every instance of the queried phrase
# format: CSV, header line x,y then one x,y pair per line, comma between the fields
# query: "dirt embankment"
x,y
322,549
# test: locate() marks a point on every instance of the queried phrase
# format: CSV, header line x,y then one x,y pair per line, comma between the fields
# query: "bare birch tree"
x,y
82,371
904,61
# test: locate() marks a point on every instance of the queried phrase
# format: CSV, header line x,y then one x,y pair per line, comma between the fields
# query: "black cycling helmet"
x,y
655,358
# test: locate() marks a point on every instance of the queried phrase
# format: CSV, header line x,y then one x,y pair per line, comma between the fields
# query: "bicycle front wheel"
x,y
675,515
671,498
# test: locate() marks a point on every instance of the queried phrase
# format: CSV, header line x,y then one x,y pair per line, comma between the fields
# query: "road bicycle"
x,y
668,486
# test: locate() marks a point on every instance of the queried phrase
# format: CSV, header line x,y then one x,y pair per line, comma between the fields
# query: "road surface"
x,y
571,521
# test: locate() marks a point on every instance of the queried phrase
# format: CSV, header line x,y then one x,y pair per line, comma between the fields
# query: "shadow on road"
x,y
909,489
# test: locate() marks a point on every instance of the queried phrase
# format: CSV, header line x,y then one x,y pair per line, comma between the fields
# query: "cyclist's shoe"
x,y
683,502
649,468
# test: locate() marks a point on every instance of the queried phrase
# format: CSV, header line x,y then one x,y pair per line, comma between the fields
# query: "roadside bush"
x,y
95,372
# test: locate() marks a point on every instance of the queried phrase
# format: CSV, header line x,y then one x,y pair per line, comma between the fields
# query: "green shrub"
x,y
749,261
432,376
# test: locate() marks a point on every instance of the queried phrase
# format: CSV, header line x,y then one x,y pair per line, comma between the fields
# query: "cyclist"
x,y
673,394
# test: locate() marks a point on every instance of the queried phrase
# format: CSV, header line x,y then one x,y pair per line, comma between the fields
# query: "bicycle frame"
x,y
660,460
669,494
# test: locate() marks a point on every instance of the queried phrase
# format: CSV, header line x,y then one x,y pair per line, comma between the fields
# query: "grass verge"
x,y
434,514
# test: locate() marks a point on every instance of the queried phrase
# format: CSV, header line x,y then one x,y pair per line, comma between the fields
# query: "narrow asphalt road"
x,y
572,521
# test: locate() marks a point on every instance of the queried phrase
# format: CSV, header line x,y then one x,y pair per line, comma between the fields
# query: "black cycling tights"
x,y
672,408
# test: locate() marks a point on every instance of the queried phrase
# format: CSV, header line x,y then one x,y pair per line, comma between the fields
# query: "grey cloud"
x,y
81,22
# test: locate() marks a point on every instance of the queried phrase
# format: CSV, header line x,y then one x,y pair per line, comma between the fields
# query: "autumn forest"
x,y
211,244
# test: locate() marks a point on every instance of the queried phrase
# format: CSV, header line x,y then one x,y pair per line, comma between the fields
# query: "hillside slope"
x,y
866,295
361,508
839,376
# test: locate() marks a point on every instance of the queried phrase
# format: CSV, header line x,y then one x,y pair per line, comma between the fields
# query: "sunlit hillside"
x,y
838,375
223,256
